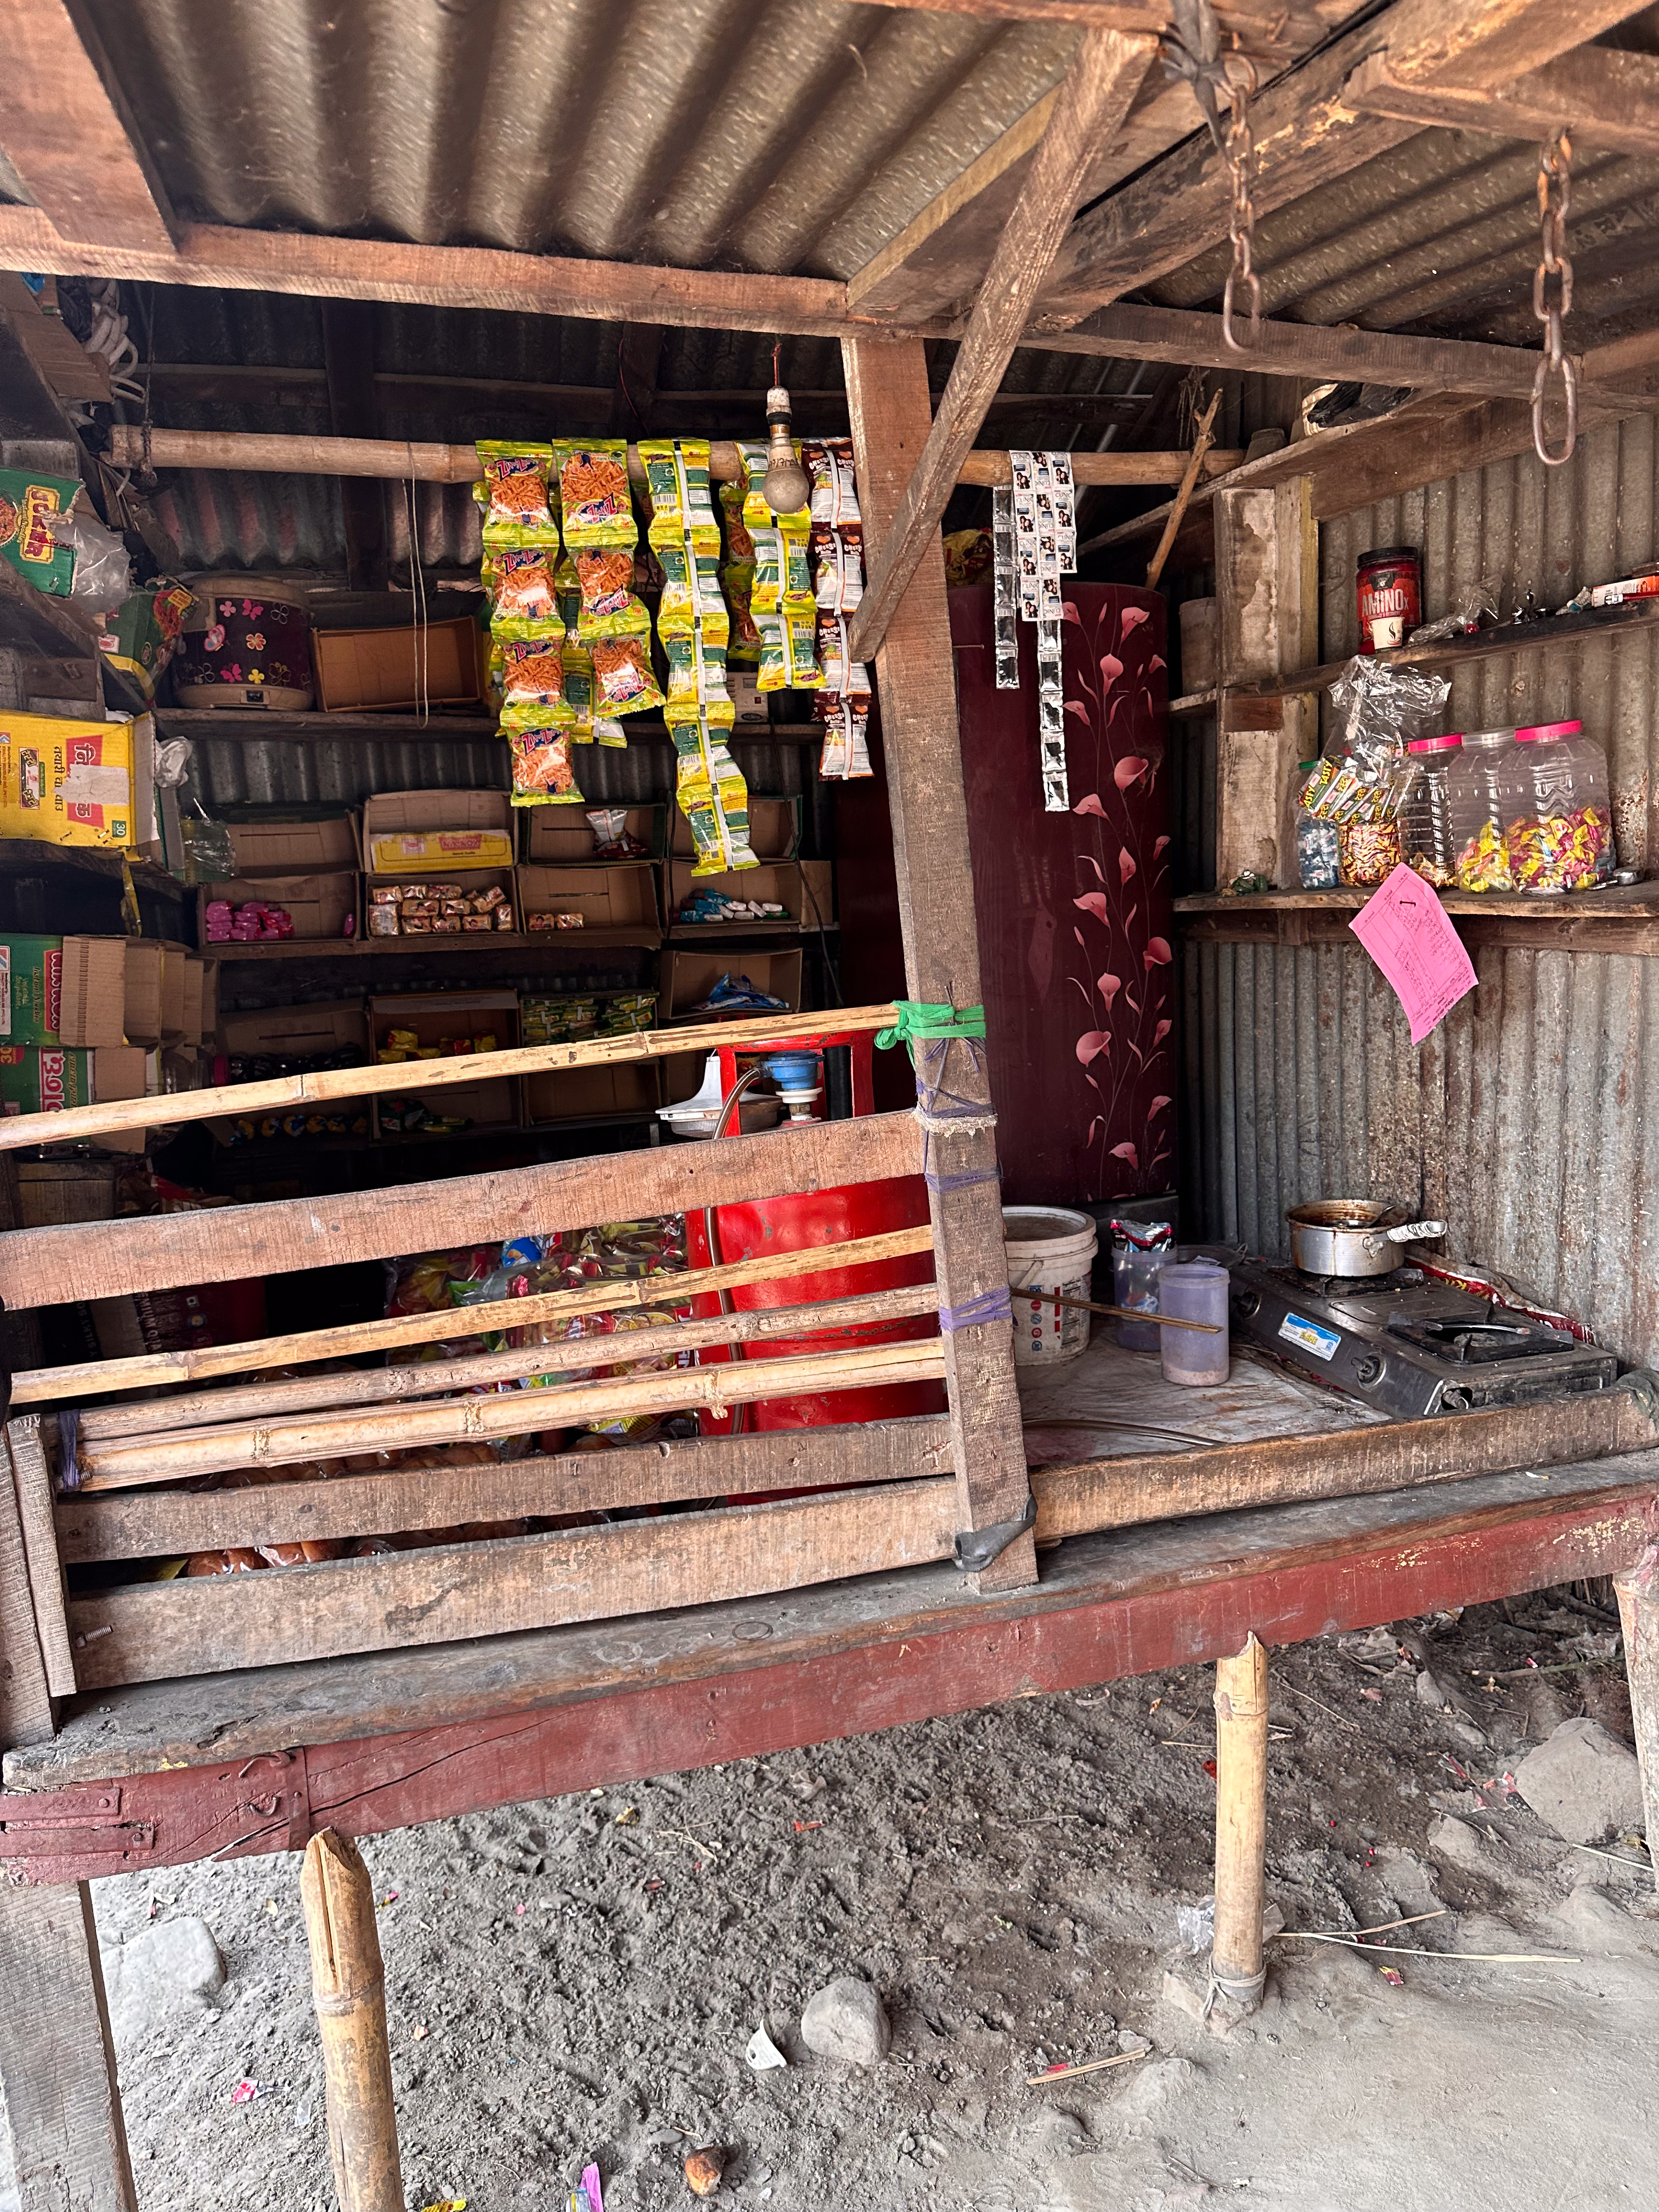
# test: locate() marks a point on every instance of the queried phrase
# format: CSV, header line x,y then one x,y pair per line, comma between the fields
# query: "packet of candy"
x,y
518,493
543,774
533,675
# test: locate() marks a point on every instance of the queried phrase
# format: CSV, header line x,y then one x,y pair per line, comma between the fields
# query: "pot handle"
x,y
1410,1231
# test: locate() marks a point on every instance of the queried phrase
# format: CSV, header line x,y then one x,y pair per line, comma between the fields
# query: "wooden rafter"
x,y
1103,79
1608,98
1307,136
65,130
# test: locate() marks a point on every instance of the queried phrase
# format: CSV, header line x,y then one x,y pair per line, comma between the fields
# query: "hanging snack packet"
x,y
691,596
579,697
520,579
846,750
598,508
787,660
739,545
844,677
533,675
838,567
518,493
783,570
623,680
568,593
714,798
737,576
605,582
696,683
829,463
543,774
751,451
682,500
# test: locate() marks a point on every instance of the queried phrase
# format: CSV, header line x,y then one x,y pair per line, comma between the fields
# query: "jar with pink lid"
x,y
1425,822
1566,843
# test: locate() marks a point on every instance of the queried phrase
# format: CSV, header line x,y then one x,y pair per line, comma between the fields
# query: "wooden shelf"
x,y
1552,632
384,948
1623,919
1618,903
22,856
722,933
1196,706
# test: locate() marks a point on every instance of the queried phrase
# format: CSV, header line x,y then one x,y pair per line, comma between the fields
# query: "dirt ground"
x,y
579,1978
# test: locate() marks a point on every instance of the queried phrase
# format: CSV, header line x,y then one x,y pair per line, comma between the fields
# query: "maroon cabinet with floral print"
x,y
1074,919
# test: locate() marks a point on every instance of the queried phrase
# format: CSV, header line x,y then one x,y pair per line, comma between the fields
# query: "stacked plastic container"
x,y
1426,826
1563,842
1488,786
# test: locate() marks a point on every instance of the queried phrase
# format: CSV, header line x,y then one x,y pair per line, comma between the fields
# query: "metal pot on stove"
x,y
1354,1236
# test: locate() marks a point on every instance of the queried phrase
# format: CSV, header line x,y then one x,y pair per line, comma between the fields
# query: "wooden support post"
x,y
58,2085
1240,1824
1639,1615
916,679
349,1986
1267,564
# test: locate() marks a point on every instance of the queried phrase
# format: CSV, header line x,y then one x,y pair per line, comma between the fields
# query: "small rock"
x,y
1583,1782
703,2169
846,2019
173,1965
1455,1840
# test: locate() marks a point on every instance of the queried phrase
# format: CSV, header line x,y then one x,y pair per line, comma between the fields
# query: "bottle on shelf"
x,y
1563,839
1486,784
1426,830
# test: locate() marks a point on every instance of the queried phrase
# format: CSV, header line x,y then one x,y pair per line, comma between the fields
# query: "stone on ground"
x,y
1583,1782
847,2020
173,1966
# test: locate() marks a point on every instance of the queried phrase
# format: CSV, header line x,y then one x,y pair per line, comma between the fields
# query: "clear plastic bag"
x,y
1379,709
103,573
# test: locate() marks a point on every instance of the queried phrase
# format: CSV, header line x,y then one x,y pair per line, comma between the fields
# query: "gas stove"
x,y
1409,1344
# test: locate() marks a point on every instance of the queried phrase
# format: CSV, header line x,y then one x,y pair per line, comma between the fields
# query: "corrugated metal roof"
x,y
688,131
1528,1121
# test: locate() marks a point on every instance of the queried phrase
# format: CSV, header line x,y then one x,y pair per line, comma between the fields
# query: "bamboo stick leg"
x,y
1236,1971
1637,1591
349,1987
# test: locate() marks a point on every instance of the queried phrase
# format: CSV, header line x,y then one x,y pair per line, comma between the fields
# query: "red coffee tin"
x,y
1389,590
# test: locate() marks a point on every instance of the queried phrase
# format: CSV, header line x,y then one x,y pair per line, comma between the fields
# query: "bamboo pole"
x,y
1638,1592
1241,1825
400,460
169,1416
1201,444
477,1419
348,1983
59,1385
329,1086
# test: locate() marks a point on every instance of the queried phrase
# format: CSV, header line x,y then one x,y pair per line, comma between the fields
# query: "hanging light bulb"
x,y
786,487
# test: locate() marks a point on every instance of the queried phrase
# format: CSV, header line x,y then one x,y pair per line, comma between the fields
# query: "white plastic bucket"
x,y
1051,1256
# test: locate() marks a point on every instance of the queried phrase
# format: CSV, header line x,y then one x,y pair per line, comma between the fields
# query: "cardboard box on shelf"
x,y
320,906
803,888
70,782
564,837
191,1028
688,978
425,832
773,831
437,663
470,882
572,1094
622,896
173,957
295,1032
142,990
430,1016
299,841
47,1079
63,990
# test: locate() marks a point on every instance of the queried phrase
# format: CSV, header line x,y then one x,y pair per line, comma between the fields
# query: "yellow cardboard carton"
x,y
74,783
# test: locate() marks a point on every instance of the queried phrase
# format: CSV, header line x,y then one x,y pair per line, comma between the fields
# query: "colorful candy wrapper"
x,y
518,504
829,463
682,499
846,750
714,797
783,570
843,677
838,559
789,661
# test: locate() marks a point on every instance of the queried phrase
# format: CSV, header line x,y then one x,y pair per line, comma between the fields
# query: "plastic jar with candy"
x,y
1425,830
1565,842
1487,784
1368,852
1317,864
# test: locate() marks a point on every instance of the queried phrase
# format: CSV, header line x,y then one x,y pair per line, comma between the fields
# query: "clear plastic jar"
x,y
1315,843
1368,852
1563,840
1486,784
1425,831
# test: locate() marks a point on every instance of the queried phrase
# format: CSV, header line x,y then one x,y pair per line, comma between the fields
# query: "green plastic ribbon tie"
x,y
928,1022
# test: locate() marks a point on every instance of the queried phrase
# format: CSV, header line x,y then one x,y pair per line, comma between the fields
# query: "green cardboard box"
x,y
47,1079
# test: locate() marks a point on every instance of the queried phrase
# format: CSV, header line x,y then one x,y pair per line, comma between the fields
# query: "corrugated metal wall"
x,y
1531,1119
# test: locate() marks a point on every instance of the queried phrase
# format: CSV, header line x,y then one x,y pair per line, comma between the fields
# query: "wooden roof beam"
x,y
66,130
1307,136
1105,75
1605,97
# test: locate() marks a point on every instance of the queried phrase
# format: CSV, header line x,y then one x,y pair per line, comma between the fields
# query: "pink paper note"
x,y
1407,933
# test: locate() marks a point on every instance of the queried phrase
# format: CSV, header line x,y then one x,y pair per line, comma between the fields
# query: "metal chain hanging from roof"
x,y
1551,294
1193,50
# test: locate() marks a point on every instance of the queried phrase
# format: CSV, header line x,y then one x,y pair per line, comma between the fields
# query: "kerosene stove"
x,y
1407,1344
